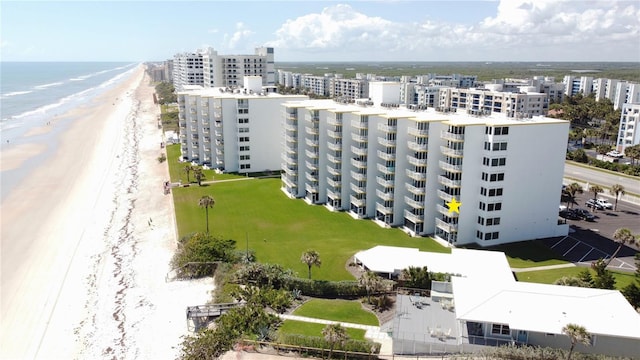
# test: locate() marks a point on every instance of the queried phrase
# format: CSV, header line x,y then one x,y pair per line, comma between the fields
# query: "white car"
x,y
602,203
615,154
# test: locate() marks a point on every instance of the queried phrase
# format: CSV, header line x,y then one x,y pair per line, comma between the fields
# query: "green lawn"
x,y
550,276
337,310
313,329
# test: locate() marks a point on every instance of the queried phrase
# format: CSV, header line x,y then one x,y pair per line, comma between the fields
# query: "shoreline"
x,y
82,268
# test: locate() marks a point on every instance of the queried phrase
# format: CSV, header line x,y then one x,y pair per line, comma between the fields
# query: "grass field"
x,y
313,329
550,276
337,310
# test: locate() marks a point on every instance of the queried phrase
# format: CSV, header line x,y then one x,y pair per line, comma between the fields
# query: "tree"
x,y
311,258
595,189
603,149
604,278
622,236
206,202
199,175
632,291
188,168
571,190
371,282
576,334
572,281
632,152
416,277
334,334
616,190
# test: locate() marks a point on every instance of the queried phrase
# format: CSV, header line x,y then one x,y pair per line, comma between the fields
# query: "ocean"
x,y
33,92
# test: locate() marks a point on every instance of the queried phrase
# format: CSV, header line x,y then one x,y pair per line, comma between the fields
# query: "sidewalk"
x,y
548,267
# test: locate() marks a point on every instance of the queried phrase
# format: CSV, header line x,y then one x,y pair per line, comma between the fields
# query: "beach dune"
x,y
87,238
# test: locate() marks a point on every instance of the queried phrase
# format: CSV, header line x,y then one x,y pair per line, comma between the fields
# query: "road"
x,y
601,177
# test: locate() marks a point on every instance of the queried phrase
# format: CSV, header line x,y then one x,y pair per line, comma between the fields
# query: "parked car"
x,y
584,214
615,154
601,204
592,203
569,214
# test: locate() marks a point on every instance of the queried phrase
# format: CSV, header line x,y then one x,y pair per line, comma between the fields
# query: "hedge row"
x,y
316,345
327,289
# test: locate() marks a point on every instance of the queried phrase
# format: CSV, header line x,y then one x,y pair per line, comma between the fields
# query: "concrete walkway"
x,y
372,333
548,267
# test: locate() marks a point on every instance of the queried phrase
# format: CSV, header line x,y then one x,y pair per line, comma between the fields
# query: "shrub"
x,y
197,251
328,289
317,342
162,158
261,275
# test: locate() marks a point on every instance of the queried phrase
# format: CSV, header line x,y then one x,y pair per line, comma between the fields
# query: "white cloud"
x,y
240,36
520,30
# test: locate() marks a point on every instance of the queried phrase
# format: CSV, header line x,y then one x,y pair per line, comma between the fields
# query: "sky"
x,y
312,31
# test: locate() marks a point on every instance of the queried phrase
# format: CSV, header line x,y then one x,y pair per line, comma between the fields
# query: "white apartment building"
x,y
318,85
628,132
232,129
207,68
578,84
626,93
399,167
348,88
492,99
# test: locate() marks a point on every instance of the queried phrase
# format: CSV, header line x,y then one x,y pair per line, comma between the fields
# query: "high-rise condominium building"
x,y
232,129
207,68
628,132
409,168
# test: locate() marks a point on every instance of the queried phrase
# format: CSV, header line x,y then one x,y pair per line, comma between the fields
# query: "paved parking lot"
x,y
589,241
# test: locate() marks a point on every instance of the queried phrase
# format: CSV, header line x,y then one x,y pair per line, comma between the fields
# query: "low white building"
x,y
232,129
484,305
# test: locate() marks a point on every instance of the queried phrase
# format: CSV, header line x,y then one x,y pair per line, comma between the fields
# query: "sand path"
x,y
86,242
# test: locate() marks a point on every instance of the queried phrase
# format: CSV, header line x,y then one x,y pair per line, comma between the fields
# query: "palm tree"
x,y
576,334
617,190
371,282
416,277
571,190
188,169
311,257
199,175
334,334
206,202
595,189
622,236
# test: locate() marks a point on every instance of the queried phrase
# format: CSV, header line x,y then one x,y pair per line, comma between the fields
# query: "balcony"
x,y
218,134
289,182
290,170
290,127
386,170
450,167
311,130
384,182
311,165
359,124
218,124
386,142
451,136
334,134
416,146
358,176
312,188
444,196
359,138
417,132
333,121
311,154
416,175
414,203
335,183
360,164
333,170
386,156
448,182
334,194
388,195
450,152
289,159
362,151
311,176
290,139
450,228
415,161
358,189
387,128
334,159
444,211
415,190
311,142
334,146
359,202
387,210
416,219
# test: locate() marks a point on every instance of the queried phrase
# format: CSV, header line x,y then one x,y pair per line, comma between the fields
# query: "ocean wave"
x,y
77,79
40,87
15,93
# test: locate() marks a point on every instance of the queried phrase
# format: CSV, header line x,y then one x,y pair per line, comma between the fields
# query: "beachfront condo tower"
x,y
461,176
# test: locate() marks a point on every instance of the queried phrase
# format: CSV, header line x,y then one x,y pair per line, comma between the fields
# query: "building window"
x,y
480,220
499,146
500,329
243,139
482,206
494,207
494,192
243,121
243,130
499,161
245,157
245,166
493,221
495,177
244,148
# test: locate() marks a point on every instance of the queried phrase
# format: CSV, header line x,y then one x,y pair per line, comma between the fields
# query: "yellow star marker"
x,y
454,205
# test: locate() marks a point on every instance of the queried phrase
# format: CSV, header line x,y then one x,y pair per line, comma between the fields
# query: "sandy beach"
x,y
87,238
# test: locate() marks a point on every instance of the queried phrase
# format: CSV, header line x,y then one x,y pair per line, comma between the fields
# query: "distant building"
x,y
207,68
376,159
628,132
232,129
492,100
